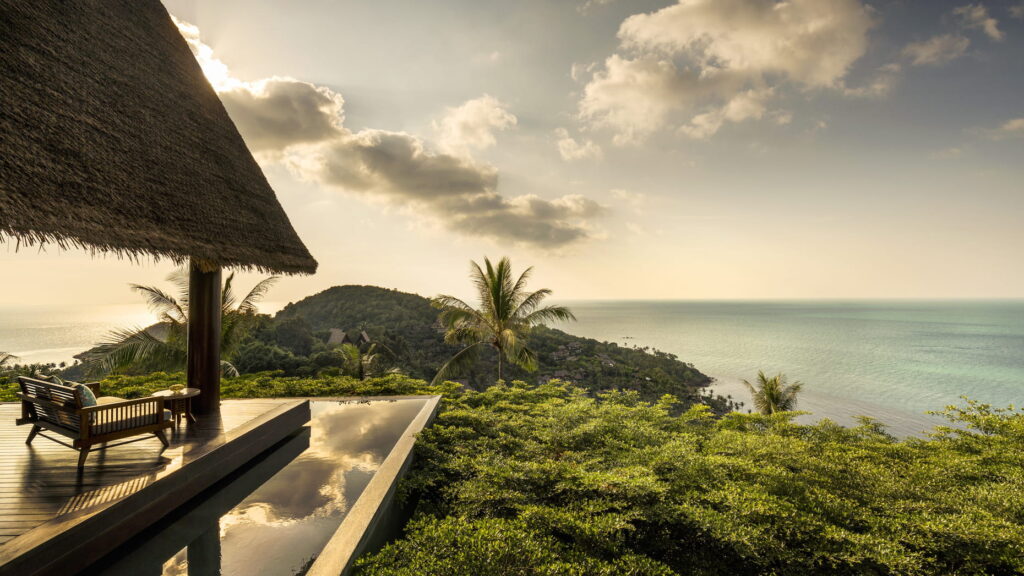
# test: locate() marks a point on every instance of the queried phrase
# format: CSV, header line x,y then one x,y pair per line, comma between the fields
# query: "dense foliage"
x,y
265,385
412,339
407,337
548,480
500,322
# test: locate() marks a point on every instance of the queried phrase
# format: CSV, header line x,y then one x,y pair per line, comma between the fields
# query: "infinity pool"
x,y
277,513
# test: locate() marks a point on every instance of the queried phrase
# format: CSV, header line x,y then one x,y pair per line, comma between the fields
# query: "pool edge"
x,y
355,532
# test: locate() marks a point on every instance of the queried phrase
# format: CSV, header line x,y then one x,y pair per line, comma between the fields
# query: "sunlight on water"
x,y
56,333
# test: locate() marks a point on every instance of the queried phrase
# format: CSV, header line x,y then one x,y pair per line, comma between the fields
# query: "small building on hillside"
x,y
339,337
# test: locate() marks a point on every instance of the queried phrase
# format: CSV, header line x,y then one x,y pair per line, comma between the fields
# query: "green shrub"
x,y
274,385
546,480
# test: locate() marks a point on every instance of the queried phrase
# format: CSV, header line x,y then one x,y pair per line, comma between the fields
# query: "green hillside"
x,y
407,326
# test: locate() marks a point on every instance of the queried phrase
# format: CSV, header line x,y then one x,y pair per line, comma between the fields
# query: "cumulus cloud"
x,y
1017,11
301,125
718,60
813,42
743,106
571,149
976,17
937,50
471,126
275,113
633,97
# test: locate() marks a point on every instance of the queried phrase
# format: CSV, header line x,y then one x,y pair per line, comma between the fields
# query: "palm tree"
x,y
361,364
507,313
163,346
6,358
774,394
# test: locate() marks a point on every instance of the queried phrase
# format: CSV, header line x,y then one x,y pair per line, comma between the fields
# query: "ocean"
x,y
893,361
56,333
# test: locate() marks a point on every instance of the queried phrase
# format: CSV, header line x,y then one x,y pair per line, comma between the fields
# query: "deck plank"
x,y
41,482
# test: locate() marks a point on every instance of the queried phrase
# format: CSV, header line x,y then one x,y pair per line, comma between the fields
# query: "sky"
x,y
698,149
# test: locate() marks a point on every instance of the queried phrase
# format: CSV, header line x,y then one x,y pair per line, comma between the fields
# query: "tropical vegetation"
x,y
547,479
506,314
775,394
163,346
552,479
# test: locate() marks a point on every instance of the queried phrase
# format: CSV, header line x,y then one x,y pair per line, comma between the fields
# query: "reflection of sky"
x,y
291,517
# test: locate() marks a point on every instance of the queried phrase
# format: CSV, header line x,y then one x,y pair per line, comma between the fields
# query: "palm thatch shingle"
x,y
112,139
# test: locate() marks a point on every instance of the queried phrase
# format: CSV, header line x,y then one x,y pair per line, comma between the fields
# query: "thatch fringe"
x,y
135,256
112,140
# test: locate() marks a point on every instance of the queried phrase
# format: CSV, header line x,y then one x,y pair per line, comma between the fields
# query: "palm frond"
x,y
525,359
227,295
483,286
463,358
248,304
167,307
228,370
129,346
531,302
520,285
548,314
179,277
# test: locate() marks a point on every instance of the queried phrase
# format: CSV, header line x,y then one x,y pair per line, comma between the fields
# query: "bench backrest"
x,y
60,403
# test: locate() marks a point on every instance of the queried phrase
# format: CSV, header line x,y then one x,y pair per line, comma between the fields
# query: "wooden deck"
x,y
43,495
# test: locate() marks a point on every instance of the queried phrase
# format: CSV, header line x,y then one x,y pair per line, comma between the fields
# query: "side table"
x,y
179,403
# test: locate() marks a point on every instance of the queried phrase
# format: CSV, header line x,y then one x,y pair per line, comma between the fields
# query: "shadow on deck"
x,y
56,519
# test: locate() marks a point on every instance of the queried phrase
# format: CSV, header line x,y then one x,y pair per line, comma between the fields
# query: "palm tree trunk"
x,y
499,364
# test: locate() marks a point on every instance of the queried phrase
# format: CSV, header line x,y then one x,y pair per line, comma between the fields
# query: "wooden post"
x,y
204,336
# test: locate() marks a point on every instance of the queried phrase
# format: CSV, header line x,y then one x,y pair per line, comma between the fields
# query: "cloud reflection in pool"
x,y
286,520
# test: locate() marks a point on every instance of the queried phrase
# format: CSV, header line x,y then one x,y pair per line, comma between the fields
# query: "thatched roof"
x,y
112,139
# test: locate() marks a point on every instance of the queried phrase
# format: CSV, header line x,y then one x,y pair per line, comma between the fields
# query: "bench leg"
x,y
163,437
82,453
32,434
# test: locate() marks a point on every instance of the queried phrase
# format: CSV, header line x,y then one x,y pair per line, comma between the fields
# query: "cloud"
x,y
276,113
937,50
301,126
813,42
633,97
571,149
1010,129
718,60
743,106
879,86
1017,11
472,125
976,17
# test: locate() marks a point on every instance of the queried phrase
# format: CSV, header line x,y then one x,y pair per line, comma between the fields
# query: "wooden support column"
x,y
204,285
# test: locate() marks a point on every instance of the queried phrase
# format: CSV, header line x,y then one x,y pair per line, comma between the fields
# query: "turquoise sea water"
x,y
889,360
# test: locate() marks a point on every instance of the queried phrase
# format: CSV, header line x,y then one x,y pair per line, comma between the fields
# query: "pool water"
x,y
275,514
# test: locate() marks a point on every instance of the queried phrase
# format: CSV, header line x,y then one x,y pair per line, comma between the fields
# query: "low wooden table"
x,y
179,403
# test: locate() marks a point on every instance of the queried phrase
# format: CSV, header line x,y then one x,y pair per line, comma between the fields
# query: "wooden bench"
x,y
57,408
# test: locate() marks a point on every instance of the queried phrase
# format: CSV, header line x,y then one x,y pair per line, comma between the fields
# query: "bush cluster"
x,y
546,480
